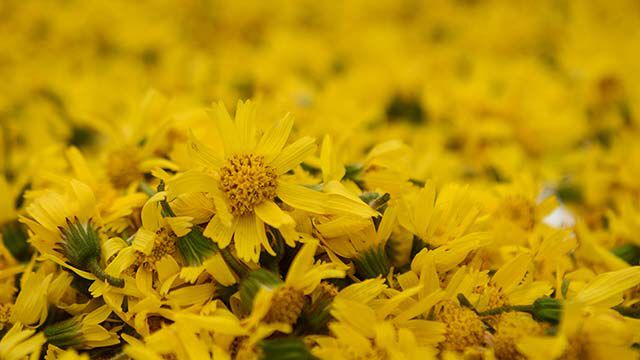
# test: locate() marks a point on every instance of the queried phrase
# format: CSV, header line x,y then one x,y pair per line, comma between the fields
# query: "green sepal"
x,y
547,309
629,253
284,349
250,286
195,248
81,242
317,314
81,246
372,262
66,333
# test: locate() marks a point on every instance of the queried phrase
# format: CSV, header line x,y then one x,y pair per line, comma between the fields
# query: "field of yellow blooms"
x,y
380,180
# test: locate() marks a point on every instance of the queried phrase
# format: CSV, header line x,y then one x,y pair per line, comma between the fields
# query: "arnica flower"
x,y
441,217
390,329
158,235
286,299
137,145
66,230
363,240
248,182
246,178
510,329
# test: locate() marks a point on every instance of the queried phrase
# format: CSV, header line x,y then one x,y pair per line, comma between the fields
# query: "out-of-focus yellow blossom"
x,y
474,195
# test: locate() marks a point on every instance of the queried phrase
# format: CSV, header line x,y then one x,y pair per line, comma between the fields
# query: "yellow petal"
x,y
218,232
189,182
79,165
274,139
245,123
387,224
271,214
144,241
204,154
220,324
181,225
364,291
332,169
226,128
246,239
302,262
510,274
301,197
608,287
292,155
219,270
151,216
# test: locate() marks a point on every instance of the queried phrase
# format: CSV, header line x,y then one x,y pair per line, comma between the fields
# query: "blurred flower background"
x,y
399,179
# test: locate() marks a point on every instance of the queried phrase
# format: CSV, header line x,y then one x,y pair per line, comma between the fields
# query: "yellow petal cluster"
x,y
392,180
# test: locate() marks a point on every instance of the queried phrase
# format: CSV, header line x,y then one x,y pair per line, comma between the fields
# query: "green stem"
x,y
97,270
502,309
238,267
146,189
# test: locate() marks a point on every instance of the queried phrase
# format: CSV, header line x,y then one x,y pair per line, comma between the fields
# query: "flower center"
x,y
286,306
122,166
512,327
246,182
5,314
518,210
164,244
464,328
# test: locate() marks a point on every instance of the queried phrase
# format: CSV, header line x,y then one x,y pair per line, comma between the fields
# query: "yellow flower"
x,y
437,220
388,331
246,178
65,230
273,301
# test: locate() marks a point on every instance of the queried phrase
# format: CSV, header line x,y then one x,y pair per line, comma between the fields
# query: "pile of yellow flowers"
x,y
389,179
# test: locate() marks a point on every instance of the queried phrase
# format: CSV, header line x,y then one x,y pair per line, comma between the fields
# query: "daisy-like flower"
x,y
366,325
66,230
247,179
285,299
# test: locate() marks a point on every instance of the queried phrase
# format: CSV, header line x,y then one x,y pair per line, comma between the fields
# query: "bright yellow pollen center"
x,y
286,305
164,244
122,166
5,315
246,182
518,210
512,327
463,327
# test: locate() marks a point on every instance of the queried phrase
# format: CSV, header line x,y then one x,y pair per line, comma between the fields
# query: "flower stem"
x,y
97,270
